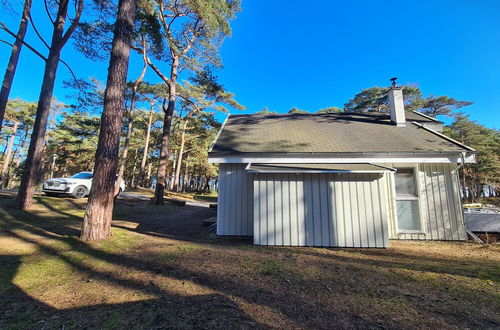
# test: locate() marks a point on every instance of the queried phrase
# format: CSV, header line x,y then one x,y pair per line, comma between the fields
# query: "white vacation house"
x,y
344,180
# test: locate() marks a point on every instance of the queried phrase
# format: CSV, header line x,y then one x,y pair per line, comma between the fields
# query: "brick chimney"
x,y
397,106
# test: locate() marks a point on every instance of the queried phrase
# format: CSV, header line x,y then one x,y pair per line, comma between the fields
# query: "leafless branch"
x,y
150,64
48,12
6,42
4,27
38,33
71,71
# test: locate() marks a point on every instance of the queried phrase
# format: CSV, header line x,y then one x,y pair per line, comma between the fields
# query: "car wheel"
x,y
79,192
120,191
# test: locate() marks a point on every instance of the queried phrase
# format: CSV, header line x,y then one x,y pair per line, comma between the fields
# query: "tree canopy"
x,y
375,99
486,141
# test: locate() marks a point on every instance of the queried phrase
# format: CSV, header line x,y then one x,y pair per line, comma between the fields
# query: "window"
x,y
405,182
83,175
407,206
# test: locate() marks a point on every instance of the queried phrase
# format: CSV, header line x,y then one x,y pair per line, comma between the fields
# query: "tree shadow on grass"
x,y
226,312
20,310
389,259
284,291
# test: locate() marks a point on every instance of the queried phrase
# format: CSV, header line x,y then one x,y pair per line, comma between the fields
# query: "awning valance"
x,y
318,168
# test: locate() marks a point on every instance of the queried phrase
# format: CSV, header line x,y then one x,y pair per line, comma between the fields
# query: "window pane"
x,y
405,182
408,215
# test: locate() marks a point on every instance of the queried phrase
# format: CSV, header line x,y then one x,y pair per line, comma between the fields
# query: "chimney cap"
x,y
393,80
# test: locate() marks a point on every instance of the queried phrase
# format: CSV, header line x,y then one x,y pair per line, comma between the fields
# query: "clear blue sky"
x,y
310,55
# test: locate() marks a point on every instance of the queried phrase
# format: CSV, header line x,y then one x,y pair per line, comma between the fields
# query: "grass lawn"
x,y
162,268
210,197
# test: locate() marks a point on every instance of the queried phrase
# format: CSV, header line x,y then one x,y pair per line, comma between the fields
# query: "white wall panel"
x,y
235,201
348,210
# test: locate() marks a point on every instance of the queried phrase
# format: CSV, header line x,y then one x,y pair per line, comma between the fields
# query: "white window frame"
x,y
418,197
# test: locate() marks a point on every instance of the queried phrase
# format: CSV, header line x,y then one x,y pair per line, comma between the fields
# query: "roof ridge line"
x,y
427,116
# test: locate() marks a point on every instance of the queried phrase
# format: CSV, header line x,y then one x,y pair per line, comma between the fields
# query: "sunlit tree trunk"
x,y
13,60
33,163
171,175
8,156
185,177
140,179
134,168
167,127
98,215
35,152
148,176
179,157
130,127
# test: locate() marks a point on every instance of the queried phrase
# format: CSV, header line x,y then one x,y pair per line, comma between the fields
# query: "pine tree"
x,y
486,141
193,32
34,158
97,219
13,60
19,113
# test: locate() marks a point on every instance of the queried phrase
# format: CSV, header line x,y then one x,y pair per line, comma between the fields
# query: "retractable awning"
x,y
318,168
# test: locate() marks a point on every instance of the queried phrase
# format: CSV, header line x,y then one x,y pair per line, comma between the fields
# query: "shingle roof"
x,y
328,133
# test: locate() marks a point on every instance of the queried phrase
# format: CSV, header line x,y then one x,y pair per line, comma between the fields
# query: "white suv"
x,y
77,186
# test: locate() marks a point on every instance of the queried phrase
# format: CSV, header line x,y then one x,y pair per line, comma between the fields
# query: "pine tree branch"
x,y
4,27
6,42
73,25
166,27
48,12
72,72
38,33
151,64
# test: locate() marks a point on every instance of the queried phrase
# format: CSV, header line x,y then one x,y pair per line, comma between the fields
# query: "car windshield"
x,y
82,175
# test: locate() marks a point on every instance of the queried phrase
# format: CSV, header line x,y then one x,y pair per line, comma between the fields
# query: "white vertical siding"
x,y
440,211
348,210
235,201
320,210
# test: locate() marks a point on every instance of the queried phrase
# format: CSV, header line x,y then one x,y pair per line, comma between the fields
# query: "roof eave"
x,y
329,154
449,139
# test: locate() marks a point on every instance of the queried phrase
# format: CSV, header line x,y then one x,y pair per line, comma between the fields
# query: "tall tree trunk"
x,y
179,158
8,78
97,219
35,152
167,127
140,179
8,156
171,175
134,168
123,161
130,127
17,154
148,175
185,177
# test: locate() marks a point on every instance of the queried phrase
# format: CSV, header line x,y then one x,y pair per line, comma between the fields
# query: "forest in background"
x,y
73,132
153,134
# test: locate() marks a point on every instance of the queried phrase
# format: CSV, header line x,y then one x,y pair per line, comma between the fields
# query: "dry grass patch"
x,y
162,269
